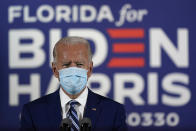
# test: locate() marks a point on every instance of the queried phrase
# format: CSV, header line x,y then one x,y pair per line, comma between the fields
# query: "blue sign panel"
x,y
143,55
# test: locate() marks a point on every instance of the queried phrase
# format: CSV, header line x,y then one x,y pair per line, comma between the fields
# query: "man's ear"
x,y
55,70
90,69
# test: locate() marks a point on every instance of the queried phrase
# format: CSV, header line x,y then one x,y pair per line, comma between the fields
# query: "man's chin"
x,y
72,95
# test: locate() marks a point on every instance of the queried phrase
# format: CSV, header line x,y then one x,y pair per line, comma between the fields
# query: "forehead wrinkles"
x,y
69,41
77,46
76,52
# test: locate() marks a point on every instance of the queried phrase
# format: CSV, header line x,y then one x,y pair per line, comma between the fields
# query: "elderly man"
x,y
73,66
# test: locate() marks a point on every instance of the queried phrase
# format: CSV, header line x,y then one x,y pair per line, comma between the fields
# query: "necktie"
x,y
73,116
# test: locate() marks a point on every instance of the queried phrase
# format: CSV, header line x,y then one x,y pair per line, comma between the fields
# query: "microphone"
x,y
85,124
65,125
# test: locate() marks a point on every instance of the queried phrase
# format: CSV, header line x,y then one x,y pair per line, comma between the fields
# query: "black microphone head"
x,y
66,124
85,121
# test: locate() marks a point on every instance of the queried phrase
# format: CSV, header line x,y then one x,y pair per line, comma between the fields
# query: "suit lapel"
x,y
54,109
92,108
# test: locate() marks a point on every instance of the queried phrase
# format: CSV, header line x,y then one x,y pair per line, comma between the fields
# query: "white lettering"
x,y
87,9
75,13
34,47
105,13
15,90
134,93
104,83
63,12
27,18
45,9
159,40
152,88
14,12
172,83
131,15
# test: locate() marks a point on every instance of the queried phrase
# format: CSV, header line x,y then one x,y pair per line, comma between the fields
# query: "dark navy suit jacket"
x,y
45,113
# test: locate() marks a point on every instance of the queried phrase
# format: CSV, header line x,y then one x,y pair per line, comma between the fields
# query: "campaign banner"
x,y
143,55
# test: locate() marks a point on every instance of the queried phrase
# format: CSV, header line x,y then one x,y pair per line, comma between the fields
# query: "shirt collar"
x,y
82,98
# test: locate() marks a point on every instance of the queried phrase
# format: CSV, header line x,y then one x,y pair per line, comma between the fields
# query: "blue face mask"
x,y
73,79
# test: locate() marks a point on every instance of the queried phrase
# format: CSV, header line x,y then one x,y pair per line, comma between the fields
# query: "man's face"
x,y
72,56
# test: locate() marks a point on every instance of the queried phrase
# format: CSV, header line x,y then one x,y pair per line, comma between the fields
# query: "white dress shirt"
x,y
79,108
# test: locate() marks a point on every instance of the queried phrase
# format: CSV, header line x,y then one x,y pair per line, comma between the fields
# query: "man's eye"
x,y
79,64
66,65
